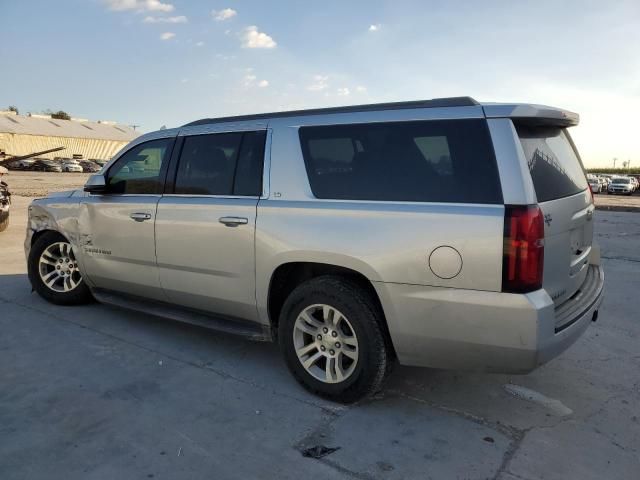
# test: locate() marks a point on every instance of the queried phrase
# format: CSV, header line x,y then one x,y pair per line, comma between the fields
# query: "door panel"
x,y
118,250
117,227
203,263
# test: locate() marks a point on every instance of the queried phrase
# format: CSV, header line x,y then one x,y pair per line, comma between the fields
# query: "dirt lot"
x,y
37,184
94,392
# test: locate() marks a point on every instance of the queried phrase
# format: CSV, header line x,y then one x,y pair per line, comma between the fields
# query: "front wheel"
x,y
332,336
53,271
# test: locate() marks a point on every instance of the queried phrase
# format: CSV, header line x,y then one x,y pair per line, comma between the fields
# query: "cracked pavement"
x,y
96,392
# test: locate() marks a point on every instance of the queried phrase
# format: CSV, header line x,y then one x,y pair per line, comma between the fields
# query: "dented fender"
x,y
58,212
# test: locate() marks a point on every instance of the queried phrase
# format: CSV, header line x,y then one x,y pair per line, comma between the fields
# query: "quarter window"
x,y
556,169
426,161
139,171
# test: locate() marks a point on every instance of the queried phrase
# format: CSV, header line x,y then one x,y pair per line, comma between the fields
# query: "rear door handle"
x,y
234,221
140,216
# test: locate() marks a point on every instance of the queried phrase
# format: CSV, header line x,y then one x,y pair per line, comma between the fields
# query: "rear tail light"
x,y
523,255
591,192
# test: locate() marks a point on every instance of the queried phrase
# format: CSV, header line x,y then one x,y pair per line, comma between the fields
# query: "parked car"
x,y
355,237
89,166
5,200
621,185
634,181
22,164
71,166
99,161
44,165
596,185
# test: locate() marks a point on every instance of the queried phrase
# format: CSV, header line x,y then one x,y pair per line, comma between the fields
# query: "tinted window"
x,y
207,164
555,167
248,179
426,161
139,170
221,164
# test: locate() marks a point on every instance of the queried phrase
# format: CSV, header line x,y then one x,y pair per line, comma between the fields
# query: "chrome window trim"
x,y
235,127
189,195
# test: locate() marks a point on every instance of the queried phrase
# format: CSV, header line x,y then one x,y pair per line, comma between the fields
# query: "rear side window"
x,y
426,161
556,169
221,164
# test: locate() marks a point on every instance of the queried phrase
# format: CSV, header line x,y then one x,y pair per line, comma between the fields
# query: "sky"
x,y
168,62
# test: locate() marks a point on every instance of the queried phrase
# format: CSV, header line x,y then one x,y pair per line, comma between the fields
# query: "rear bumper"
x,y
485,331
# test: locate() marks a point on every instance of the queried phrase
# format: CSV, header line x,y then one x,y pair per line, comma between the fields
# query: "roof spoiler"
x,y
532,114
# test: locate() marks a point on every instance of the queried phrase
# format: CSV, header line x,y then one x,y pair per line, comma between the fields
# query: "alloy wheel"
x,y
325,343
58,268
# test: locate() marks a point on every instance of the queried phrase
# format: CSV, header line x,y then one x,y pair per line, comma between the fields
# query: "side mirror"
x,y
96,184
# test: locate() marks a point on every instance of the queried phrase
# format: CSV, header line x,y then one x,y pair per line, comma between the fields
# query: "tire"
x,y
360,322
4,222
40,267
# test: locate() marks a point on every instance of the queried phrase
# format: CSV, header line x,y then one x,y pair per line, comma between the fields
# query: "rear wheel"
x,y
53,271
333,341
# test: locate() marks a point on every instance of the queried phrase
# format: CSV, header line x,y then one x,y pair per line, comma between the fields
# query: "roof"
x,y
523,111
25,125
433,103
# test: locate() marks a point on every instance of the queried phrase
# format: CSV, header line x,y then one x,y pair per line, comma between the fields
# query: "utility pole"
x,y
614,162
136,126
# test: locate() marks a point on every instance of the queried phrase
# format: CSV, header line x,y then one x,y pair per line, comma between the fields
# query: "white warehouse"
x,y
22,135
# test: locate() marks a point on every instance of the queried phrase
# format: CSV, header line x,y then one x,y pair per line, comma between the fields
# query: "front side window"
x,y
221,164
139,170
421,161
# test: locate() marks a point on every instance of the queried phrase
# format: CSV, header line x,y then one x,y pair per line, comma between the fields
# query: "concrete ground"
x,y
99,393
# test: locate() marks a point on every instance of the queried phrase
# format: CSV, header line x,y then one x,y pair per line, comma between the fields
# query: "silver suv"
x,y
441,233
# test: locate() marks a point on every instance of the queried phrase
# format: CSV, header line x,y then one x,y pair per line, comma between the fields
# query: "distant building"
x,y
21,135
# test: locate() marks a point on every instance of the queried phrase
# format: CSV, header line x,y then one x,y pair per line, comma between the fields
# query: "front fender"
x,y
58,214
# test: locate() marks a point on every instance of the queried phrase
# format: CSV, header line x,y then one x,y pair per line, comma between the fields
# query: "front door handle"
x,y
234,221
140,216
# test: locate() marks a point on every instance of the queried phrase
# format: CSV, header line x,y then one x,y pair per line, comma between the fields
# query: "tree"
x,y
13,108
59,115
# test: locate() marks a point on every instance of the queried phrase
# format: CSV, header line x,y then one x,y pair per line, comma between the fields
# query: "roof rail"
x,y
433,103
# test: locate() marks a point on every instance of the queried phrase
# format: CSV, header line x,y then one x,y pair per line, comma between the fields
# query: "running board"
x,y
245,328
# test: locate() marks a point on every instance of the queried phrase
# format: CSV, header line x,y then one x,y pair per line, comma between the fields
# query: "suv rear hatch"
x,y
567,206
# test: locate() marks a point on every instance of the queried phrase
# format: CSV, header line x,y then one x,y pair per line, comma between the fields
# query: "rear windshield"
x,y
424,161
555,167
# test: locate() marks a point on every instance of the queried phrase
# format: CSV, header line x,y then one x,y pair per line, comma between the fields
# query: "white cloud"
x,y
167,36
178,19
140,5
361,89
199,44
252,38
375,27
225,14
320,82
250,80
157,6
344,92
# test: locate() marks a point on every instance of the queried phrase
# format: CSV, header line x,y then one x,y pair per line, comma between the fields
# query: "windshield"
x,y
621,180
554,164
